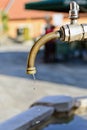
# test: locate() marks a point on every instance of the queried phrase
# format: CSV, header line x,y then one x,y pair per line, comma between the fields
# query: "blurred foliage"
x,y
4,20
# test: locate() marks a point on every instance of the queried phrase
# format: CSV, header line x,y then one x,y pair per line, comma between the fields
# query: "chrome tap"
x,y
68,33
73,31
74,12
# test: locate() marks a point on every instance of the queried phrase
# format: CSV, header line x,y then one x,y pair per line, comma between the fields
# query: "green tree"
x,y
4,19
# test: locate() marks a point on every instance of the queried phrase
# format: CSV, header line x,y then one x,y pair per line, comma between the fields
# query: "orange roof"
x,y
17,11
3,4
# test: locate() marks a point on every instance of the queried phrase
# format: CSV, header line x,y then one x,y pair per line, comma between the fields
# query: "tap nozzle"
x,y
31,69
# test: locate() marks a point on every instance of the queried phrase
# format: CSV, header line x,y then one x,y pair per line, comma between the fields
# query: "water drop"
x,y
37,122
34,76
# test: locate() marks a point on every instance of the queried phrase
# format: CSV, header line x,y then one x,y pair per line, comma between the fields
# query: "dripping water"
x,y
34,76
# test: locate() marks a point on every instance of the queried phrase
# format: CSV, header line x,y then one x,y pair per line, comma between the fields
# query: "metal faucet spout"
x,y
68,33
31,69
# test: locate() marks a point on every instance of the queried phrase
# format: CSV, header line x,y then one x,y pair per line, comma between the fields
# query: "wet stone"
x,y
59,103
27,119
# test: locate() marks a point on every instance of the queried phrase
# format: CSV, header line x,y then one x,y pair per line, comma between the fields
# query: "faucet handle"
x,y
74,12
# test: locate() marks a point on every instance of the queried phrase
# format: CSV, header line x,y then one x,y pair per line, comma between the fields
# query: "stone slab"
x,y
59,103
27,119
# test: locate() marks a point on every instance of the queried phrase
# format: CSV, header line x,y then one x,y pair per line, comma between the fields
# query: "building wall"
x,y
34,26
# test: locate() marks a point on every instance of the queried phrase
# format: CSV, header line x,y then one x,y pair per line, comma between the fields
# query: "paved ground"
x,y
18,90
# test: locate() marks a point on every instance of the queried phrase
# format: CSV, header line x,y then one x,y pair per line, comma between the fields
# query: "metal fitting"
x,y
74,12
73,32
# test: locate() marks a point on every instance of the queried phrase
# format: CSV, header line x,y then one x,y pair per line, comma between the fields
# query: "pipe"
x,y
31,69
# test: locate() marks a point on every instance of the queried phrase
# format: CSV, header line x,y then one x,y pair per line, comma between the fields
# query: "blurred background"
x,y
62,67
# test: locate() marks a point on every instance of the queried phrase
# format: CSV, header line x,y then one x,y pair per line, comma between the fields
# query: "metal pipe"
x,y
73,32
31,69
67,33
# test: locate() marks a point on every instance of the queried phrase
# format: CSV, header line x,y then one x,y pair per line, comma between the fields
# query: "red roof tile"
x,y
3,4
17,11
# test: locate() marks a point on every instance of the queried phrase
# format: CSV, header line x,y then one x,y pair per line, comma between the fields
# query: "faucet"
x,y
67,33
